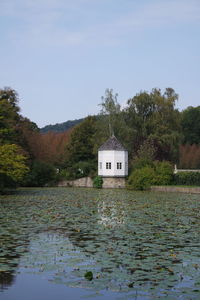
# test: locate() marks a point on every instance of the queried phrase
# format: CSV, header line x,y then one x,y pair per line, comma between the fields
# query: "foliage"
x,y
49,147
150,127
64,175
110,121
79,151
79,169
152,116
98,182
164,173
189,157
6,183
157,173
12,165
25,130
191,125
84,168
145,156
88,275
9,115
141,179
111,108
41,174
187,178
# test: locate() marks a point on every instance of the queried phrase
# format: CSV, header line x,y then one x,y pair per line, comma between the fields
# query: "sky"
x,y
61,55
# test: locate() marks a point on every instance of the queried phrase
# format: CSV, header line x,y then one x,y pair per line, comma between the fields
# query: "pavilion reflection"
x,y
111,213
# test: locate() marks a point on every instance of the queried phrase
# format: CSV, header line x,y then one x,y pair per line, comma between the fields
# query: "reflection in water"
x,y
111,213
10,249
6,279
54,253
146,245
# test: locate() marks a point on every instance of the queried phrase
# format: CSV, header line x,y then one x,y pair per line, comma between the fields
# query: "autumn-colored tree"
x,y
49,147
189,156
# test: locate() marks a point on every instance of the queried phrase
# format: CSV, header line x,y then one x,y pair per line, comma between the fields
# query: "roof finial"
x,y
110,126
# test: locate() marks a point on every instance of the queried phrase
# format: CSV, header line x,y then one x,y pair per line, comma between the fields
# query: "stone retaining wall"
x,y
108,182
176,189
113,183
81,182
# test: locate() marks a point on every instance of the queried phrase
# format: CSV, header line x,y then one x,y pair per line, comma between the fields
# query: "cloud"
x,y
160,13
72,23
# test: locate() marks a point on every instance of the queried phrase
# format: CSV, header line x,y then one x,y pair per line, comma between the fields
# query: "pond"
x,y
67,243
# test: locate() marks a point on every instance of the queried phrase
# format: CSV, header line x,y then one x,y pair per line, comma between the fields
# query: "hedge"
x,y
187,178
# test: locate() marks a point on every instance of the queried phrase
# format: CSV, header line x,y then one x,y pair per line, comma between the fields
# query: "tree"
x,y
41,174
189,156
25,129
152,116
12,165
80,146
9,115
110,121
111,108
145,156
48,147
191,125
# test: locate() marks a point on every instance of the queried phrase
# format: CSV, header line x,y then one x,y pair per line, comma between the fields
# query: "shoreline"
x,y
176,189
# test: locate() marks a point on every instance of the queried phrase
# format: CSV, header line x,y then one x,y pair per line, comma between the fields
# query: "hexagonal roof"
x,y
112,144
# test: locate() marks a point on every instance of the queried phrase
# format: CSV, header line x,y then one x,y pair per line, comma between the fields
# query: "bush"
x,y
64,175
84,168
141,179
164,173
40,175
98,182
159,173
6,183
80,169
187,178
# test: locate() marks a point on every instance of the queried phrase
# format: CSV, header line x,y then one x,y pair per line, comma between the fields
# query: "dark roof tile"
x,y
112,144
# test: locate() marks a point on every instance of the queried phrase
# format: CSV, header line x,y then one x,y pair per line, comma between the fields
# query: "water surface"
x,y
137,245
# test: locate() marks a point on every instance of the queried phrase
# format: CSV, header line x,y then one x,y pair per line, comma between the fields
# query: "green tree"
x,y
41,174
145,156
25,130
12,165
191,125
110,121
80,147
164,173
152,116
110,108
9,115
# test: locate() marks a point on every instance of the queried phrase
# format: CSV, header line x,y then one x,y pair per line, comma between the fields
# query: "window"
x,y
119,165
100,165
108,165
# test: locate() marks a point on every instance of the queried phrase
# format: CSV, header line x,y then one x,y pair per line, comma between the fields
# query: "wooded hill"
x,y
61,127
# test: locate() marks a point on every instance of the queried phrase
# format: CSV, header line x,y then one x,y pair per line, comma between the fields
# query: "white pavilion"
x,y
112,159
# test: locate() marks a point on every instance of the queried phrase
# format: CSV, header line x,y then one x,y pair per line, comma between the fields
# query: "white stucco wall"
x,y
113,157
